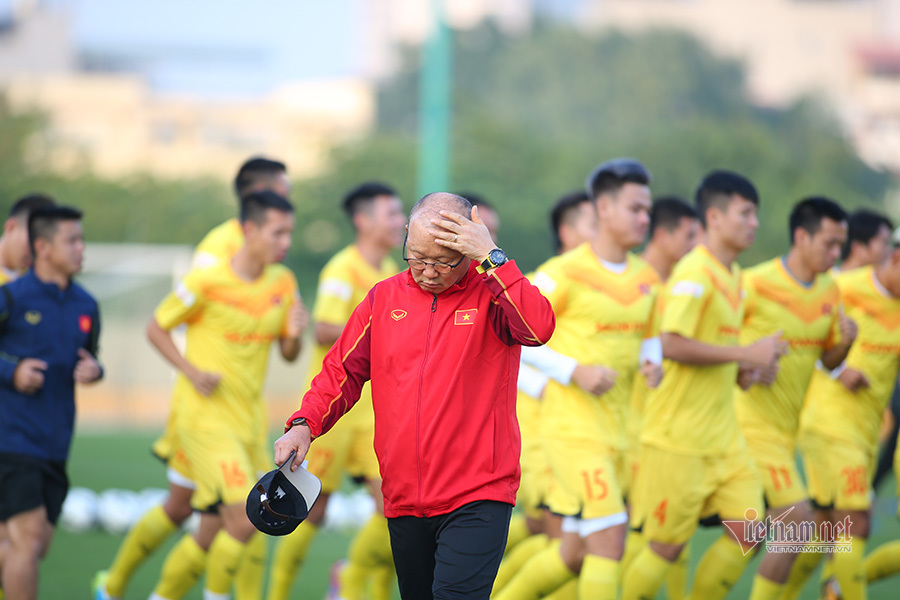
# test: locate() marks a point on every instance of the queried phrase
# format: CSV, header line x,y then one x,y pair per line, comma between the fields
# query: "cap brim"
x,y
306,483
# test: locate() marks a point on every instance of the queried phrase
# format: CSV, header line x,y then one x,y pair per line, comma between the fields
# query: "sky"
x,y
220,47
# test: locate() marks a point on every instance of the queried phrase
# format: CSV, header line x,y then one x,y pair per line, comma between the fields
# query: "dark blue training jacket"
x,y
38,320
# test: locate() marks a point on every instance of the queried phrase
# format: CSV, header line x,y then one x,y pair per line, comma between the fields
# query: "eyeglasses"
x,y
417,264
625,169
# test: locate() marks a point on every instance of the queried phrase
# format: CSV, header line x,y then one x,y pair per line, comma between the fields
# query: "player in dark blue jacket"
x,y
49,328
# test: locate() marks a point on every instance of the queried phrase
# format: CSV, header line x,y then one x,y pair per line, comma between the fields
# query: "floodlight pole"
x,y
435,94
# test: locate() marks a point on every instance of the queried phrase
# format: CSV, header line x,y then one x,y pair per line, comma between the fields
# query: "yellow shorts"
x,y
224,466
839,473
167,449
674,491
589,477
536,472
776,461
348,447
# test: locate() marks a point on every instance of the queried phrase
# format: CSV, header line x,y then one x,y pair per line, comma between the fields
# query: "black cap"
x,y
282,499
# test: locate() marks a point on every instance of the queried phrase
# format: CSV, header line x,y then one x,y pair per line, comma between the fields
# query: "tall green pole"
x,y
435,96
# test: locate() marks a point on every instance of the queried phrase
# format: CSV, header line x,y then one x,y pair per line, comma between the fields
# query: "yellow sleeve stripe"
x,y
343,360
534,336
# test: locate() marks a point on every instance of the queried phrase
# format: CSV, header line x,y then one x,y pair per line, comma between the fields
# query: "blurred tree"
x,y
534,114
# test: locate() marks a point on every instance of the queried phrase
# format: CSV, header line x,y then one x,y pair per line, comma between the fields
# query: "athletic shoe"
x,y
98,585
334,585
831,590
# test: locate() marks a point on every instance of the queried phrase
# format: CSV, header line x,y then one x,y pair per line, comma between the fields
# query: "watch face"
x,y
498,256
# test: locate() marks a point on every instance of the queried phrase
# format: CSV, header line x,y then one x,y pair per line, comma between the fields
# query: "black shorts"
x,y
27,482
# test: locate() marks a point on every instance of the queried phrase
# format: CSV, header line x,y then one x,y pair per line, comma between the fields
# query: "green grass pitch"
x,y
122,460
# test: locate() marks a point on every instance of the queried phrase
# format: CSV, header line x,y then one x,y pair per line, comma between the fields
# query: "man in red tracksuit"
x,y
440,344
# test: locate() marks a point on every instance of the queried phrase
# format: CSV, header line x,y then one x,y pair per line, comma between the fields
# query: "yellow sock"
x,y
225,555
765,589
383,583
147,534
518,531
569,591
248,583
849,570
539,577
289,555
369,550
518,556
181,570
634,543
599,578
645,576
677,579
719,569
827,569
805,565
883,562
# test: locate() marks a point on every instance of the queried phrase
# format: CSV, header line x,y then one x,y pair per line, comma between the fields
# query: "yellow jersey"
x,y
692,410
602,317
221,243
833,410
343,283
808,316
231,324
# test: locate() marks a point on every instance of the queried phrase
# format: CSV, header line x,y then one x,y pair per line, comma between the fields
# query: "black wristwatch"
x,y
299,421
495,258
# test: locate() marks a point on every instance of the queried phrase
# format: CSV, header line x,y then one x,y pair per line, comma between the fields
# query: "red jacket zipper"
x,y
419,404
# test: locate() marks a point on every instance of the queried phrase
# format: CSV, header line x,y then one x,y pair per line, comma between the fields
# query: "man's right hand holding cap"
x,y
297,439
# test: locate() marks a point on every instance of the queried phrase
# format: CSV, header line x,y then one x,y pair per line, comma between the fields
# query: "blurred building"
x,y
846,52
103,114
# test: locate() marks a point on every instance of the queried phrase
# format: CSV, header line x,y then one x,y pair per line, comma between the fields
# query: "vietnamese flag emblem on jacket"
x,y
465,317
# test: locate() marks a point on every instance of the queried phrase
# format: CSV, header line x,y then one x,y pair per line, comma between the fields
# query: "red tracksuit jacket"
x,y
443,371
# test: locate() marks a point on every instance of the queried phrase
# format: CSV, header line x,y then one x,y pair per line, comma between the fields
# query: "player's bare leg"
x,y
29,536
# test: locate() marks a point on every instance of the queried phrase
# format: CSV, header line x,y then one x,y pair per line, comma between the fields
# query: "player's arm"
x,y
88,369
685,301
185,301
334,303
757,355
531,381
594,379
326,334
161,339
651,354
550,364
25,375
296,322
554,365
847,330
